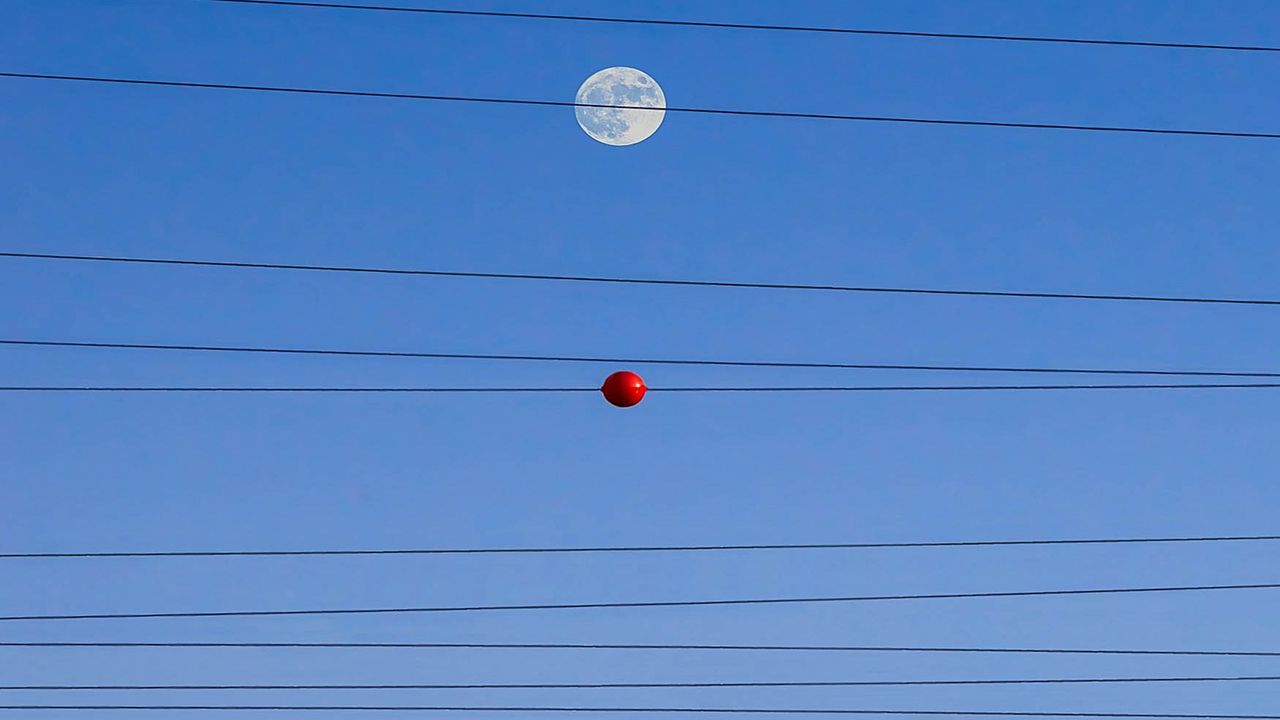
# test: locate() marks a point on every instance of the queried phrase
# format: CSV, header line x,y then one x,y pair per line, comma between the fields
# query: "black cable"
x,y
686,110
741,711
627,361
657,685
228,389
757,389
651,548
632,646
645,604
750,26
944,388
642,281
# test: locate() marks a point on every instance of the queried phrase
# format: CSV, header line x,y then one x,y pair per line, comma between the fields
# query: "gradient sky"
x,y
243,176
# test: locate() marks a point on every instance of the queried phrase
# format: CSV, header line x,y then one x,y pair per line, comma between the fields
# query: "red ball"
x,y
623,389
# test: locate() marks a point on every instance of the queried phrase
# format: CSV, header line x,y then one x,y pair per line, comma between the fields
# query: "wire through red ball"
x,y
623,389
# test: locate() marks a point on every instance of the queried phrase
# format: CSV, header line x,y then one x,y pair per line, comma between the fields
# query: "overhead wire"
x,y
564,390
644,603
657,685
648,548
723,25
641,281
241,389
575,709
294,90
625,360
640,647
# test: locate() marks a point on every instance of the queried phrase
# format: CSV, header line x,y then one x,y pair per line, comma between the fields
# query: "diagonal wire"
x,y
755,26
653,548
643,281
649,646
646,604
622,360
548,390
734,711
656,685
1257,135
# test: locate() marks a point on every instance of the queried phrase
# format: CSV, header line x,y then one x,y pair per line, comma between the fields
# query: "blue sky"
x,y
240,176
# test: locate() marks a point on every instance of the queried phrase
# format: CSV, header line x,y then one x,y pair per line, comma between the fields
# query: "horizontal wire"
x,y
670,109
228,389
642,281
656,685
652,548
647,604
629,361
739,711
754,389
752,26
634,646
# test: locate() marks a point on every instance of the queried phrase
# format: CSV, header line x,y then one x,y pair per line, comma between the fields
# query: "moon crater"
x,y
628,89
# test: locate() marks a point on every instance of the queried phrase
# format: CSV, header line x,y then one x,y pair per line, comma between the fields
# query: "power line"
x,y
649,548
658,685
229,389
740,711
685,110
645,604
646,647
553,390
643,281
624,361
752,26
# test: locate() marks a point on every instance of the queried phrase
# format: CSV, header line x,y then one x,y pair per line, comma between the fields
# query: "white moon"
x,y
623,87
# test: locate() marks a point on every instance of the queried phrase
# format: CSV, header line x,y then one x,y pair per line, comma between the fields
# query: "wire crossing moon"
x,y
624,87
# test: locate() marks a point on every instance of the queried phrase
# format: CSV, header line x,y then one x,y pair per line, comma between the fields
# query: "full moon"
x,y
621,86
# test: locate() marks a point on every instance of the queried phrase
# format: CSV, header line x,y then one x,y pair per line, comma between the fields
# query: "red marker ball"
x,y
623,389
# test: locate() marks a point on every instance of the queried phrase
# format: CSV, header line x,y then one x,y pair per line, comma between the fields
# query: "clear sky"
x,y
243,176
